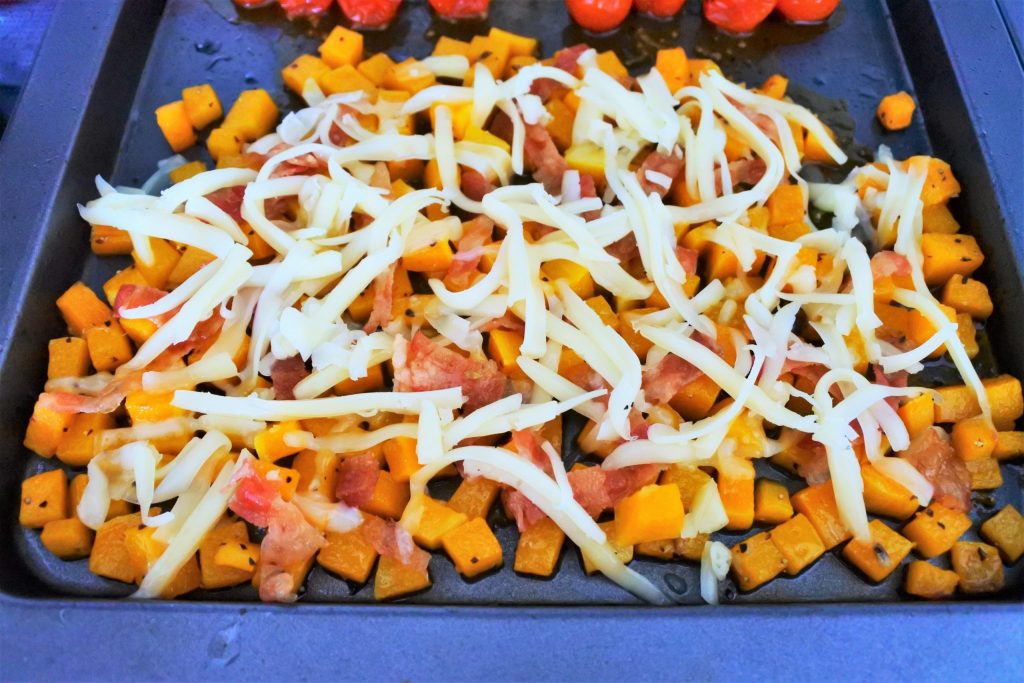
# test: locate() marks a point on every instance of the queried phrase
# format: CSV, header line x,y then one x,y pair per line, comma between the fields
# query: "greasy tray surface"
x,y
856,60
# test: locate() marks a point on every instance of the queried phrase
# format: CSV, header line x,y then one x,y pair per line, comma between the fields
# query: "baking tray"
x,y
88,108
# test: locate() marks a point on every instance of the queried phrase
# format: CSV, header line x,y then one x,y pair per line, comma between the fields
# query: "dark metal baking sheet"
x,y
88,109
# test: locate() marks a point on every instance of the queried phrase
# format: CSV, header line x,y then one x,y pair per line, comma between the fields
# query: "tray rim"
x,y
628,623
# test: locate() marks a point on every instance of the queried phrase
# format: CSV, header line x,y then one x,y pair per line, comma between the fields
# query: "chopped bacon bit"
x,y
521,509
254,496
229,200
422,365
107,401
566,59
201,338
390,539
666,164
506,322
898,379
305,164
687,259
742,172
285,373
543,158
671,374
597,489
383,299
337,136
588,189
763,122
811,460
888,264
932,454
528,445
475,184
470,251
357,477
501,126
625,249
137,296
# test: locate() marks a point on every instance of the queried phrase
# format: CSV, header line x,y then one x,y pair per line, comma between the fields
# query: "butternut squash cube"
x,y
935,529
949,255
978,566
974,438
798,543
775,86
348,554
736,489
967,295
771,502
109,241
82,309
287,479
450,46
785,206
539,548
472,547
44,498
191,261
224,142
927,581
302,69
68,357
896,111
1005,530
958,402
940,185
376,69
342,47
985,474
389,497
623,552
213,575
877,558
436,519
756,561
883,496
78,446
409,76
177,175
673,66
686,548
394,579
688,479
253,115
938,218
346,79
653,513
165,257
518,46
818,504
110,556
1009,445
201,105
492,53
174,123
68,539
240,556
318,471
437,256
918,414
474,497
575,276
270,443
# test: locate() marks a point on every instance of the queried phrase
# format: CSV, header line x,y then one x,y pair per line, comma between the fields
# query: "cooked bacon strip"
x,y
742,172
896,379
383,300
357,477
588,189
285,373
470,251
422,365
136,296
543,158
625,249
666,164
519,508
932,454
475,184
506,322
107,401
566,59
889,264
229,200
390,539
671,374
290,539
687,259
597,489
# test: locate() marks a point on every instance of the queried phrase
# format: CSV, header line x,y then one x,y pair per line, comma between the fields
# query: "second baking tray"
x,y
840,70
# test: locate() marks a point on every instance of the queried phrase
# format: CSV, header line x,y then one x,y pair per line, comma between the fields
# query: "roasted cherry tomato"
x,y
598,15
660,8
304,8
370,13
807,11
737,16
460,9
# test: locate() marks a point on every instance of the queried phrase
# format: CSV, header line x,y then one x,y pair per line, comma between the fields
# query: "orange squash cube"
x,y
623,552
978,566
798,542
436,519
202,106
82,309
394,579
343,46
539,548
474,497
818,504
653,513
472,547
68,539
68,357
389,497
925,580
302,69
78,446
935,529
877,558
46,429
174,123
348,554
110,556
756,561
896,111
771,502
883,496
44,498
1005,530
109,241
270,444
213,575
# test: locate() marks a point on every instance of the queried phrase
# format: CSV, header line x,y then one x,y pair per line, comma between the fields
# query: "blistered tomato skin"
x,y
370,13
807,11
599,15
663,9
294,9
737,16
460,9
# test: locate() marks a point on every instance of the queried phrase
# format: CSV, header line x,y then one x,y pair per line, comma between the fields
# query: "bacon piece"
x,y
597,489
528,445
666,378
521,509
687,259
566,59
470,251
763,122
285,373
136,296
422,365
392,540
811,461
229,200
107,401
932,454
501,126
543,158
624,249
383,300
199,340
357,477
588,189
666,164
898,379
475,184
742,172
889,264
506,322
